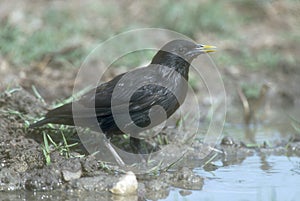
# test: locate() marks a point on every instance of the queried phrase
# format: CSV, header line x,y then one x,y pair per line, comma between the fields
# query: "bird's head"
x,y
179,54
187,50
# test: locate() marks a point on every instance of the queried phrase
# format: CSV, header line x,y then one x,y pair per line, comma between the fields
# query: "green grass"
x,y
251,90
296,125
22,48
63,147
253,60
54,139
46,149
135,59
61,27
190,17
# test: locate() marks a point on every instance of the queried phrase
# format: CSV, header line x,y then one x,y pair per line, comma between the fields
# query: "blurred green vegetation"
x,y
22,50
192,17
97,21
296,124
134,59
260,59
251,90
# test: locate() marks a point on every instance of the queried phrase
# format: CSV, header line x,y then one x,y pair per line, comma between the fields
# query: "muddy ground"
x,y
23,164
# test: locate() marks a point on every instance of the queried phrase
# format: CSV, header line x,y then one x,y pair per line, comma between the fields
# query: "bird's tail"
x,y
60,115
40,123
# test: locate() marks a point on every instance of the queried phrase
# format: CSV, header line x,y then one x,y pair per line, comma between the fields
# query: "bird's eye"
x,y
182,49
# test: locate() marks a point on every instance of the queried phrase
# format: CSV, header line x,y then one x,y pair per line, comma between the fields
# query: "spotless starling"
x,y
162,83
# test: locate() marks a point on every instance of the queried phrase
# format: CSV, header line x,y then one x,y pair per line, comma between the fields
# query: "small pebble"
x,y
126,185
227,141
70,175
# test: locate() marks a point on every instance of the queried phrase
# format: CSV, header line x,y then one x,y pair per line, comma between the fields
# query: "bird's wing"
x,y
100,97
124,91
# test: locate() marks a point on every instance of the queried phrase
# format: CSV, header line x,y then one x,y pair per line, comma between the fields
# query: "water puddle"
x,y
273,134
258,177
273,178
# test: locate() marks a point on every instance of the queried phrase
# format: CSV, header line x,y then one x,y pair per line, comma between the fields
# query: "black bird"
x,y
162,83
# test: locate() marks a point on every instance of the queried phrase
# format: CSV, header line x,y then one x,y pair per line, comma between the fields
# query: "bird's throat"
x,y
172,61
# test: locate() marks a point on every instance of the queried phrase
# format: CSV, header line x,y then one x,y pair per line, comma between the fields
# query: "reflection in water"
x,y
250,134
253,105
265,165
256,178
274,134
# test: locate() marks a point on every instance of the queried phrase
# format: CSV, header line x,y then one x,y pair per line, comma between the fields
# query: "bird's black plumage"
x,y
163,84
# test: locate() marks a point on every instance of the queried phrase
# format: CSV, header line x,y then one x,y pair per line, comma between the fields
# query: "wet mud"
x,y
23,163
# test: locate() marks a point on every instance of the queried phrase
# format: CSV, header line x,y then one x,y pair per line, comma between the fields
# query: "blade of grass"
x,y
37,94
46,149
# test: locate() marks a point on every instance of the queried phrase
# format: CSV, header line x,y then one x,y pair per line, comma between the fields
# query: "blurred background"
x,y
43,43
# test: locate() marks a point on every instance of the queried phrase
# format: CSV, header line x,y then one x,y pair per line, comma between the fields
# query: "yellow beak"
x,y
209,48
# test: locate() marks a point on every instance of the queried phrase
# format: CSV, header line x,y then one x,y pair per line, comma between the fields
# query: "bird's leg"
x,y
140,146
113,151
136,145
